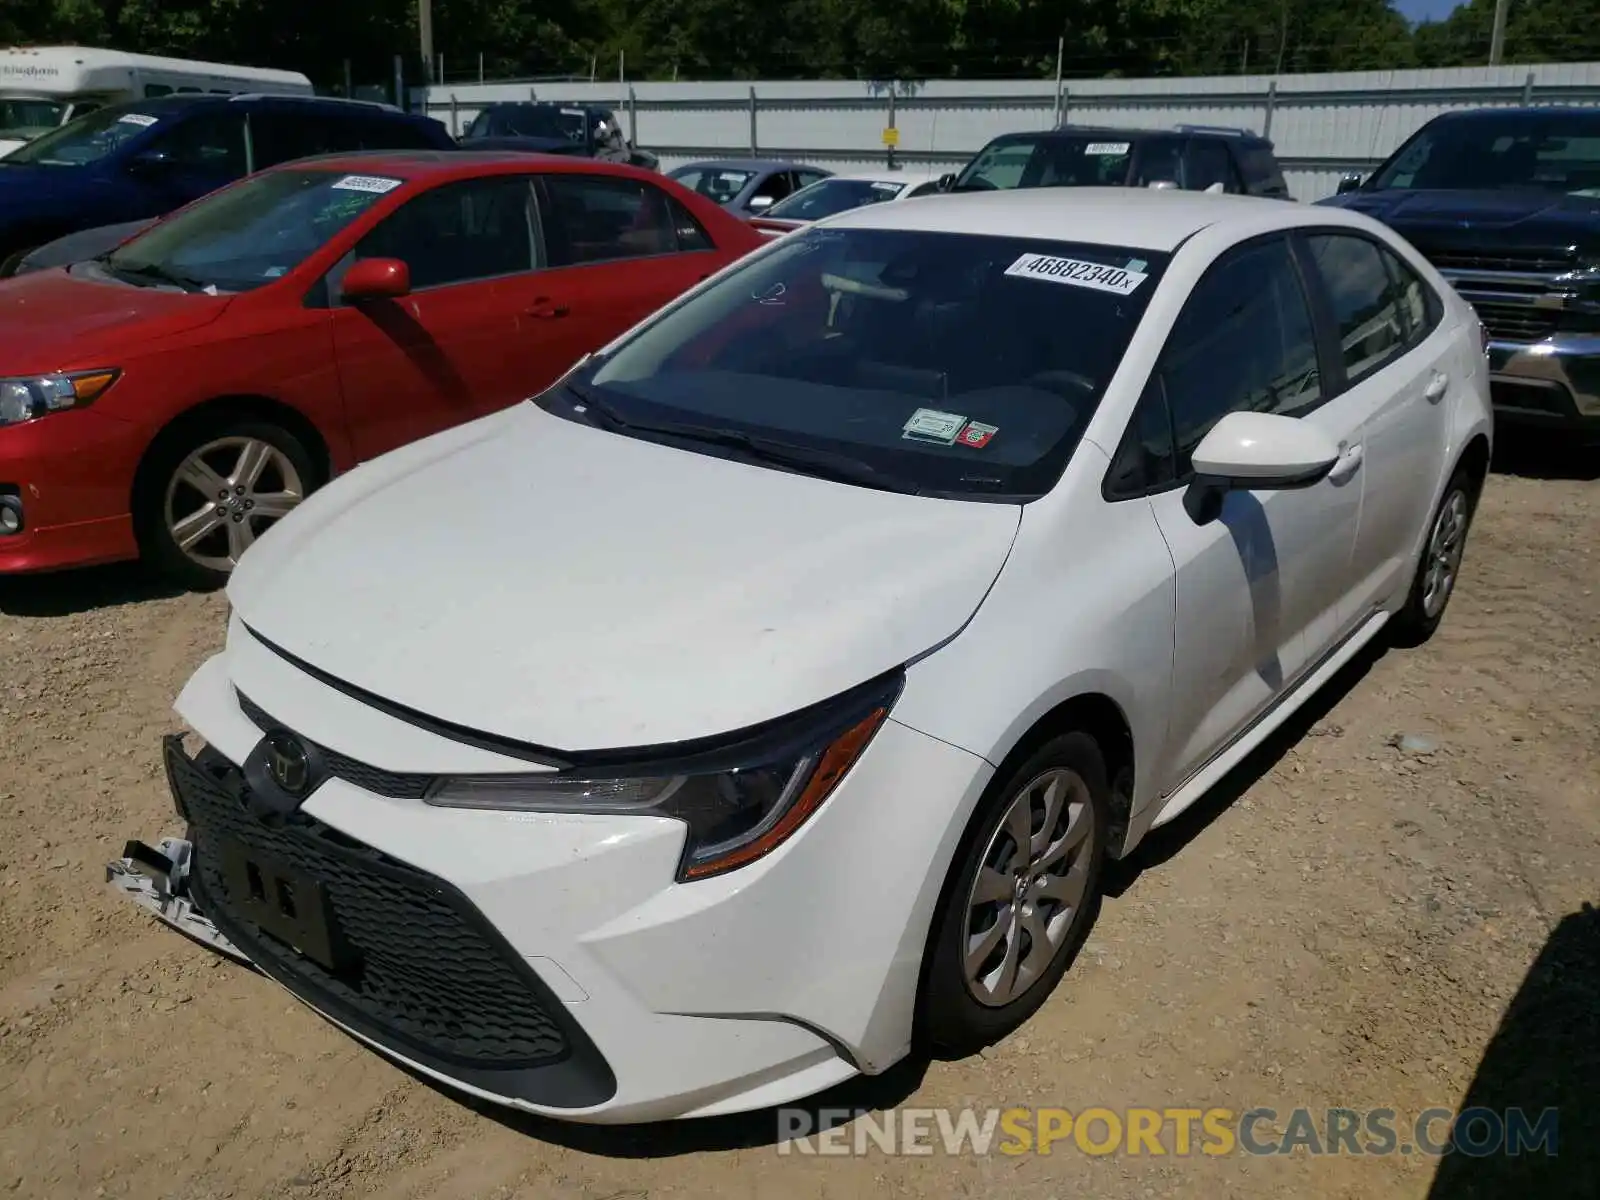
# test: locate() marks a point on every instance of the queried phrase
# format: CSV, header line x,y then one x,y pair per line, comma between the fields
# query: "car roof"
x,y
744,164
430,165
1529,110
178,102
1157,220
1129,134
885,175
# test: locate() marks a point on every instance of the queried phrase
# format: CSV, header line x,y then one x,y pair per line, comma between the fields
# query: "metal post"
x,y
480,66
439,78
1527,90
633,119
400,84
752,122
1061,49
1497,39
622,66
349,81
889,146
1272,103
455,125
425,29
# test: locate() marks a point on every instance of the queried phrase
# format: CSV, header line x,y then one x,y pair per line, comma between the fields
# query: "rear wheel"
x,y
1023,892
1440,567
212,489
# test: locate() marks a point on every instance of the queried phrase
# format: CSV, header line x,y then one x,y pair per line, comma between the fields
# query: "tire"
x,y
1439,568
257,473
962,1011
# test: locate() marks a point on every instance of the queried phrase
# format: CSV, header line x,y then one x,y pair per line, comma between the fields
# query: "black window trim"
x,y
711,246
1431,302
1324,335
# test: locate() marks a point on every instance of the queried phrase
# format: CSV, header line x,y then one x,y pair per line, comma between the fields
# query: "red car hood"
x,y
50,320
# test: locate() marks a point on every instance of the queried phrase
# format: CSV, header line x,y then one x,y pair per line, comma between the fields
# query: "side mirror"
x,y
1250,451
759,203
1216,189
947,181
377,279
1349,183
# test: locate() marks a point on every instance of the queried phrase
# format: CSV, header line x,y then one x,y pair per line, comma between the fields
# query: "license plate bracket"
x,y
285,904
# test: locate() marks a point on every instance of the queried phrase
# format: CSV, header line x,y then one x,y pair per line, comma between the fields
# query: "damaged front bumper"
x,y
157,880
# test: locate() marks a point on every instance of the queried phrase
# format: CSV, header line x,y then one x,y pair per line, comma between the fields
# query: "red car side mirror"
x,y
377,279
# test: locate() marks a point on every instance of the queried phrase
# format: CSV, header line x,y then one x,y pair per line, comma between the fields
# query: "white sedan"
x,y
841,193
775,687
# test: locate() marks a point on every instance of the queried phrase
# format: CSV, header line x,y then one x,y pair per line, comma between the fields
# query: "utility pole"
x,y
1497,39
425,28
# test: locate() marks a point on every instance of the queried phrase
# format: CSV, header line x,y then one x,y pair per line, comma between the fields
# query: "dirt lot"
x,y
1346,923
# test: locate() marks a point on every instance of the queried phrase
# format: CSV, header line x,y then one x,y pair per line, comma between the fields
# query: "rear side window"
x,y
1365,299
1420,306
1244,342
378,133
602,218
690,234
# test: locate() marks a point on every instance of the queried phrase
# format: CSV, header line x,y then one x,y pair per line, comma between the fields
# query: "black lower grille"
x,y
425,970
1516,322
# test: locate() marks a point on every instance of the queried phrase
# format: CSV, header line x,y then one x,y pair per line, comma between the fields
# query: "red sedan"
x,y
175,397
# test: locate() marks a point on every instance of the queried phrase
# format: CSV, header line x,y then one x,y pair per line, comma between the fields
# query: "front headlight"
x,y
740,800
28,398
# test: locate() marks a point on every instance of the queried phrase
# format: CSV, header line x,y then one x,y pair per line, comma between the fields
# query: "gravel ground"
x,y
1345,922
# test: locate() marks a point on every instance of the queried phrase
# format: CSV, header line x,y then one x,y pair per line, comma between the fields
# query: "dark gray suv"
x,y
1195,158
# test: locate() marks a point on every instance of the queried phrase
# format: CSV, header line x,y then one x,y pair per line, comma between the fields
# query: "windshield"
x,y
829,196
84,139
1556,152
24,116
249,234
949,364
533,120
1080,160
717,184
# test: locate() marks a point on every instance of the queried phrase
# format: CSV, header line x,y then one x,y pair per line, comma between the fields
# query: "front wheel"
x,y
214,488
1023,892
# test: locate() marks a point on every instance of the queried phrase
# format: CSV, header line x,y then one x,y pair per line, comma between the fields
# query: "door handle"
x,y
1349,463
1436,387
546,310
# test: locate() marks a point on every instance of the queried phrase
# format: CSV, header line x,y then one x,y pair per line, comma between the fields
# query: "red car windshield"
x,y
247,235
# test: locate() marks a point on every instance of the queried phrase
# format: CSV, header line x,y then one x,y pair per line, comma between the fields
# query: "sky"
x,y
1427,10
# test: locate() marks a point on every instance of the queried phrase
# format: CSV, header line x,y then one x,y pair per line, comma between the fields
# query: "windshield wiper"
x,y
824,464
156,272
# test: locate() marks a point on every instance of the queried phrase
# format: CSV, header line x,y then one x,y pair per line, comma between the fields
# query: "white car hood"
x,y
544,581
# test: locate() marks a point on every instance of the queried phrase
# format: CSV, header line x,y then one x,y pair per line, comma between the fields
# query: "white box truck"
x,y
42,87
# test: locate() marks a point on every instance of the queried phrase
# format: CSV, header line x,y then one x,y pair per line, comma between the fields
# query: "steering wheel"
x,y
1068,384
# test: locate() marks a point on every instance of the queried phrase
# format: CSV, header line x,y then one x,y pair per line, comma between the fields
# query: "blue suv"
x,y
127,164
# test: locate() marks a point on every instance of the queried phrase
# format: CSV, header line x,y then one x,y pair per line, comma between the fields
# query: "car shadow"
x,y
1536,454
1163,844
1545,1055
61,593
838,1105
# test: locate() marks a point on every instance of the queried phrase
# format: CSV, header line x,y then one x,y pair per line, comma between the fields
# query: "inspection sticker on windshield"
x,y
1109,149
141,119
378,184
1079,274
976,435
931,425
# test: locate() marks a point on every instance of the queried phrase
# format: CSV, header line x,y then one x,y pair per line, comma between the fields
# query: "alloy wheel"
x,y
1030,884
225,494
1445,547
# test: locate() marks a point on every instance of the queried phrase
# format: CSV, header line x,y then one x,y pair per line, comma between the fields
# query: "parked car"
x,y
840,193
1197,158
767,696
1506,203
747,186
583,130
137,161
176,397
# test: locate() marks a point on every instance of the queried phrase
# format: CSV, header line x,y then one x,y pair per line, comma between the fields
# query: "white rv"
x,y
45,86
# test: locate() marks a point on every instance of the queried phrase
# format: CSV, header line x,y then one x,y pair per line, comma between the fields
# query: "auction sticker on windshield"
x,y
1112,149
931,425
378,184
1072,271
143,120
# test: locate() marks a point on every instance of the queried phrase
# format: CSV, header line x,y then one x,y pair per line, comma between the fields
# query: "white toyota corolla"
x,y
769,694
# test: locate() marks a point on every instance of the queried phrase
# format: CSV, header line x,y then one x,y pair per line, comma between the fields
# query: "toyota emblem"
x,y
288,763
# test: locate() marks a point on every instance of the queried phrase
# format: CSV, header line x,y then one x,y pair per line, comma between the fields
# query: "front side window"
x,y
247,235
830,197
459,232
1054,160
1553,152
953,364
1244,342
210,143
600,218
1209,163
1160,161
1366,302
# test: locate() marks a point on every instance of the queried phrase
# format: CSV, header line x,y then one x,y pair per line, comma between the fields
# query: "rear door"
x,y
615,250
1394,349
445,353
